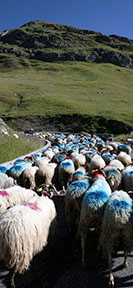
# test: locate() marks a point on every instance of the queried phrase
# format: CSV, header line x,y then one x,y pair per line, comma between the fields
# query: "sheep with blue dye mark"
x,y
73,199
92,208
14,195
5,181
24,231
65,172
17,169
117,226
113,177
124,147
107,156
4,168
127,178
78,174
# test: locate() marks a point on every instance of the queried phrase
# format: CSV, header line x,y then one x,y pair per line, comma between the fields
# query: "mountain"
x,y
59,77
53,42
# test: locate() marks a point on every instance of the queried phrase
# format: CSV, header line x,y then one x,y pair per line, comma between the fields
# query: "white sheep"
x,y
97,162
92,208
27,178
116,225
79,160
24,231
124,158
14,195
45,174
5,181
117,163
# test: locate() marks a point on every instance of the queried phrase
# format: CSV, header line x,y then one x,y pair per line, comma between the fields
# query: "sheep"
x,y
48,153
92,208
17,169
73,199
24,231
127,178
65,172
79,173
107,156
117,163
27,178
41,161
79,160
124,158
5,181
116,226
47,174
59,157
14,195
4,168
113,177
124,147
97,162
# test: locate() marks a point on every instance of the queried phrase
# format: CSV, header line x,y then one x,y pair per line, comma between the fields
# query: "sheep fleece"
x,y
24,232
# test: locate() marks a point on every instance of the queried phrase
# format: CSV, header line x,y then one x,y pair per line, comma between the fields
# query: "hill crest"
x,y
51,42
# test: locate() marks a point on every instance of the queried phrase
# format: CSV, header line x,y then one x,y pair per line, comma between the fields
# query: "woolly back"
x,y
77,188
118,208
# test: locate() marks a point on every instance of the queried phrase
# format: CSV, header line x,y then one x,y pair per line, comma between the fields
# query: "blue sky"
x,y
105,16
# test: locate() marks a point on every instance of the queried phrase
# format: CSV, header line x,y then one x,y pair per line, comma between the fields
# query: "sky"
x,y
105,16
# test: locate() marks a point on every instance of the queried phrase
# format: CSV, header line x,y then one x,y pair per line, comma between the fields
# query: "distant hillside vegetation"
x,y
56,76
53,42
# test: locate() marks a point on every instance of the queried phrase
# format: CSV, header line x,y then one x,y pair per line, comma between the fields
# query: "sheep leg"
x,y
83,244
12,275
111,277
125,263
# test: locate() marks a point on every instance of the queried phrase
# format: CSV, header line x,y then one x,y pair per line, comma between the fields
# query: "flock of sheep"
x,y
96,179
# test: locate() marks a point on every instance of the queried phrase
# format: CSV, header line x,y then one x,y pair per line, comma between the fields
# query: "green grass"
x,y
49,89
11,148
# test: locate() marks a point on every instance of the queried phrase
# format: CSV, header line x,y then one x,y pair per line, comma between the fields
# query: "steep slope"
x,y
56,77
53,42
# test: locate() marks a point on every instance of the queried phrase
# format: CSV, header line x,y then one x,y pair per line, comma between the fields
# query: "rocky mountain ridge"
x,y
51,42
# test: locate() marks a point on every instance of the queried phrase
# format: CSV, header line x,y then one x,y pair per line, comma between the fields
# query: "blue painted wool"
x,y
78,173
65,164
119,205
100,185
78,187
97,198
20,160
3,169
111,171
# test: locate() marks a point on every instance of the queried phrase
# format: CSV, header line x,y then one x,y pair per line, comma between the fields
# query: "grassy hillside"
x,y
81,88
50,70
